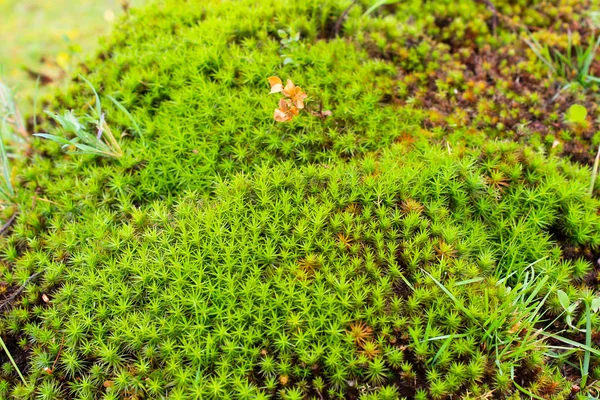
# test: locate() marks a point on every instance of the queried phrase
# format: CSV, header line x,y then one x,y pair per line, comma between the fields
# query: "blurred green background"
x,y
48,38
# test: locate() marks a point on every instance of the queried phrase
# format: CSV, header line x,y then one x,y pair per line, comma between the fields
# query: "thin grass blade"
x,y
6,172
12,361
124,110
98,105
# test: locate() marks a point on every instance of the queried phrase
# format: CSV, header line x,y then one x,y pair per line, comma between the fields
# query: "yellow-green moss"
x,y
227,256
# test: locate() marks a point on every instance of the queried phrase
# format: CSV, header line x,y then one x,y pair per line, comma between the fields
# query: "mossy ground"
x,y
408,246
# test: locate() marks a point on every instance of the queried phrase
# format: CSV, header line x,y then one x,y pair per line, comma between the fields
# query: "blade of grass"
x,y
442,348
124,110
12,361
443,337
573,343
5,165
54,138
98,105
85,149
452,297
466,282
527,392
537,49
379,3
35,98
590,57
588,342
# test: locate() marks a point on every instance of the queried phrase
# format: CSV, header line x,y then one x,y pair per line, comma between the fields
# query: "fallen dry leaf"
x,y
276,84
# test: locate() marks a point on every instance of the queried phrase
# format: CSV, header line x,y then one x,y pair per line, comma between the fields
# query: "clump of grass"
x,y
591,307
7,191
9,111
510,328
102,142
571,65
12,130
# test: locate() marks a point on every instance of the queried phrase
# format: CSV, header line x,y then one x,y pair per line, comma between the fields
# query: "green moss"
x,y
267,278
227,256
205,105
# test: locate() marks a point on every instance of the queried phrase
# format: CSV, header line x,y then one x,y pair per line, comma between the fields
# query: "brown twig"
x,y
18,291
340,21
494,11
497,15
62,343
321,113
8,223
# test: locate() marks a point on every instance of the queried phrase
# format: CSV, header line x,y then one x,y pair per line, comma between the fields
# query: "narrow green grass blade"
x,y
89,139
443,337
468,281
590,57
378,4
98,105
588,342
4,193
124,110
442,348
535,46
54,138
537,289
85,149
6,172
12,360
527,392
452,297
573,343
35,98
566,61
538,308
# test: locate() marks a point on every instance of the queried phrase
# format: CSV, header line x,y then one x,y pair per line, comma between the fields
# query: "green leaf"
x,y
54,138
576,114
563,298
596,304
572,308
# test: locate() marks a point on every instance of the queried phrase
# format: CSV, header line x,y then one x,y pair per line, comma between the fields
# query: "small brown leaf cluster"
x,y
292,103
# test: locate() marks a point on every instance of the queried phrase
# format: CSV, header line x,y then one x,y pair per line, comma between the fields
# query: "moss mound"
x,y
204,102
318,280
226,256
